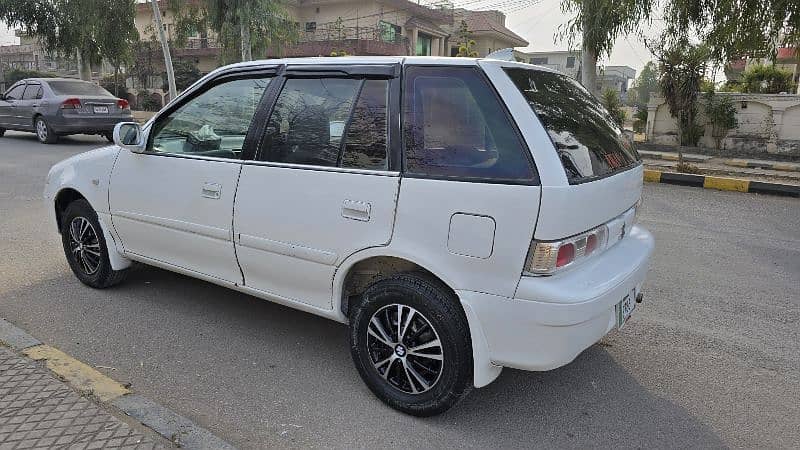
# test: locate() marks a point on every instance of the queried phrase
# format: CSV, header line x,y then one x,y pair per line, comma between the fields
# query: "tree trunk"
x,y
244,28
84,68
173,92
589,70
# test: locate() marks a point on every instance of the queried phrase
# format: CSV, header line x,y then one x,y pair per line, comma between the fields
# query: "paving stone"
x,y
39,411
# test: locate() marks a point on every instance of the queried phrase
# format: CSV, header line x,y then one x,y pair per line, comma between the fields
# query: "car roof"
x,y
405,60
41,79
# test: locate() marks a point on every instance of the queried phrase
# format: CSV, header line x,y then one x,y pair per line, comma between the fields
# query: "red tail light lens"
x,y
71,103
123,104
566,254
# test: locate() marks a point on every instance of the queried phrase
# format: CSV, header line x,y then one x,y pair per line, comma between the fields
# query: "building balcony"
x,y
363,41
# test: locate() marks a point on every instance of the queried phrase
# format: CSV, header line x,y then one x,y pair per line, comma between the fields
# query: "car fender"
x,y
484,371
89,174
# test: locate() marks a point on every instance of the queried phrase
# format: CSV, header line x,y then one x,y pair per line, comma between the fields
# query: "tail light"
x,y
123,104
545,258
71,103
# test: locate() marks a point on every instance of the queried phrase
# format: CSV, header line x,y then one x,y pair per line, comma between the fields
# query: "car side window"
x,y
456,127
213,123
31,91
366,142
331,122
309,119
15,93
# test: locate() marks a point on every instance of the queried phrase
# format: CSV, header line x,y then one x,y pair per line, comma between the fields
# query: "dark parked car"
x,y
53,107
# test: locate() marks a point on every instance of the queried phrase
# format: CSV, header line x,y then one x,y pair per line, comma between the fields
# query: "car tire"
x,y
431,379
44,133
85,247
2,132
109,136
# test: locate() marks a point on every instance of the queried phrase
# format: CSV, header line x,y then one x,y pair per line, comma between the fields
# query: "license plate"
x,y
101,109
625,309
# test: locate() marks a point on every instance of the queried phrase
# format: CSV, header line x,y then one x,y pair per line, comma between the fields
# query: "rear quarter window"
x,y
589,144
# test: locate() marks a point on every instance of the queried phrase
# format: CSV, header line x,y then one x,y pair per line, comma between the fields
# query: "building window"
x,y
570,62
389,32
423,44
539,61
311,27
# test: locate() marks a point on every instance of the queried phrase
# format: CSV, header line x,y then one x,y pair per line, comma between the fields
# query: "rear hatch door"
x,y
602,172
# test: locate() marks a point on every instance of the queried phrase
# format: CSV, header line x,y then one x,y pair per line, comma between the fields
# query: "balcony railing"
x,y
332,32
201,42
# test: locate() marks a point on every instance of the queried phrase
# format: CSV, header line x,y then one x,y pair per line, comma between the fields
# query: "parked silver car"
x,y
53,107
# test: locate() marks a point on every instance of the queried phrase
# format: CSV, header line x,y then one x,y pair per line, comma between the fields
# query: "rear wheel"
x,y
410,343
109,136
85,247
44,133
2,132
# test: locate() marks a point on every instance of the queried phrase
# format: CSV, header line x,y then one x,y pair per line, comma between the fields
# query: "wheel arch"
x,y
67,195
371,261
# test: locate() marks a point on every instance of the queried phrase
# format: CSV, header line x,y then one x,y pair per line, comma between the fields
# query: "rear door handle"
x,y
212,190
352,209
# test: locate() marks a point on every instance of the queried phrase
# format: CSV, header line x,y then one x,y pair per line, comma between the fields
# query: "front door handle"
x,y
352,209
212,190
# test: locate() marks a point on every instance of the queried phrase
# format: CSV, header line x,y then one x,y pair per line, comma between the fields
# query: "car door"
x,y
8,106
26,106
325,181
173,204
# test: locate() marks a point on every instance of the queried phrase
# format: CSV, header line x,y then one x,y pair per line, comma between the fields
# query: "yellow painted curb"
x,y
652,176
81,376
737,162
726,184
669,157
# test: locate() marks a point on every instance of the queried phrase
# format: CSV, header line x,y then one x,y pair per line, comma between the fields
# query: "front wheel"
x,y
411,345
85,247
44,133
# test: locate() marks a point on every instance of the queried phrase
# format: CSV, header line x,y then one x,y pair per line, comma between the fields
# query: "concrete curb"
x,y
771,165
647,154
721,183
112,394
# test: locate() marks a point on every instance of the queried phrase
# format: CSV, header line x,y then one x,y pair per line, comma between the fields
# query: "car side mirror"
x,y
129,136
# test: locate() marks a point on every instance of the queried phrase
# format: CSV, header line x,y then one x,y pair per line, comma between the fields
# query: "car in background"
x,y
53,107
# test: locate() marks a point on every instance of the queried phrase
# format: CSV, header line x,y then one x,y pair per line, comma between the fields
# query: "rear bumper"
x,y
87,123
551,320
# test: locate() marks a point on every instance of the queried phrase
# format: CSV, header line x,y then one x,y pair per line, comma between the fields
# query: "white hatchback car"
x,y
461,215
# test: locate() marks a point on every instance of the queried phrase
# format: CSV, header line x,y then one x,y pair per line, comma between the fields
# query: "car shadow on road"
x,y
296,360
71,140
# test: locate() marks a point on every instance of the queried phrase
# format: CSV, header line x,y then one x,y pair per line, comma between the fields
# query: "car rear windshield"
x,y
77,88
589,143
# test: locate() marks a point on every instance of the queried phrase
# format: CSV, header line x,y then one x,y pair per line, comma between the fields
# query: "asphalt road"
x,y
710,359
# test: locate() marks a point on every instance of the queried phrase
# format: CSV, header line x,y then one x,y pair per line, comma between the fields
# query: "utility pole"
x,y
162,36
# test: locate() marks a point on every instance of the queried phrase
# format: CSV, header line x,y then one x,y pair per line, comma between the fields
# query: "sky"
x,y
535,20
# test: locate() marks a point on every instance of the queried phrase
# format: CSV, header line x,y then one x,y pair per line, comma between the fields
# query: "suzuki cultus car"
x,y
461,215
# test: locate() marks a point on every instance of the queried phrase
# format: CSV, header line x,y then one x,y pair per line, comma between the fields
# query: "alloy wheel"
x,y
405,348
84,245
41,130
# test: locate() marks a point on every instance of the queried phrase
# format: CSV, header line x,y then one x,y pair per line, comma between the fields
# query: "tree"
x,y
90,30
721,115
735,28
611,101
466,45
116,38
243,27
599,23
646,83
763,79
186,73
681,68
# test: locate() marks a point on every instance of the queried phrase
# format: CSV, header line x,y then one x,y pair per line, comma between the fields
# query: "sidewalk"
x,y
750,169
39,411
50,399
